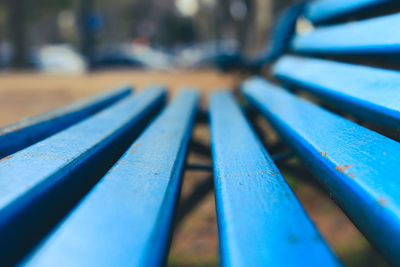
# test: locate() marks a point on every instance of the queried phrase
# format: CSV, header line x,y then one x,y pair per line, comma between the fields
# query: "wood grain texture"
x,y
359,167
28,176
125,220
260,221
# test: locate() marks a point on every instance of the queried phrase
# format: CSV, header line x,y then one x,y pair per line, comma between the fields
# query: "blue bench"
x,y
260,221
96,183
43,180
368,93
125,219
331,11
24,133
373,36
358,167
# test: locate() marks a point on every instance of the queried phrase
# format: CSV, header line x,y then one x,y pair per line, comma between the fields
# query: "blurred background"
x,y
78,35
55,52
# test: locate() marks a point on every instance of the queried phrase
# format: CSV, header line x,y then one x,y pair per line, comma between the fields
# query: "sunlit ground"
x,y
195,242
26,94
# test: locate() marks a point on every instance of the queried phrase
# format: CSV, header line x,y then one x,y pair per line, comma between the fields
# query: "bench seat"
x,y
26,132
359,167
260,221
125,220
57,164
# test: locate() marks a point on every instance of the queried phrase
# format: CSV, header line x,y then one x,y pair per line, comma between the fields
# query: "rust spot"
x,y
224,175
342,168
324,154
382,202
132,148
6,158
351,175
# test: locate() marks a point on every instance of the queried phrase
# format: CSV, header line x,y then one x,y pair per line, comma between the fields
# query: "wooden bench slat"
x,y
24,133
359,167
379,35
326,10
366,92
260,221
126,218
281,34
28,176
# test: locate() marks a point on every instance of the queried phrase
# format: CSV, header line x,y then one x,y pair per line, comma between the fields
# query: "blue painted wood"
x,y
369,93
29,131
126,218
359,167
260,221
379,35
321,11
280,38
28,176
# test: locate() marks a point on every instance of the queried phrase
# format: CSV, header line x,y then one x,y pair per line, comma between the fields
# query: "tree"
x,y
17,28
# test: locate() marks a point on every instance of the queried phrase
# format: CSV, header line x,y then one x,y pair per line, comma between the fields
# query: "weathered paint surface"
x,y
29,131
320,11
260,221
26,176
379,35
360,168
369,93
126,218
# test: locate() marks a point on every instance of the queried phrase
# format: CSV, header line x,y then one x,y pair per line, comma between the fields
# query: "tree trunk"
x,y
87,39
17,26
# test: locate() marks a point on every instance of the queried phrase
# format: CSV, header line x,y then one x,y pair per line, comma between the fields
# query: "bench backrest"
x,y
333,11
359,167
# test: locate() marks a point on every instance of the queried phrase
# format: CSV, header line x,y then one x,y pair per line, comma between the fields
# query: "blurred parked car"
x,y
132,56
60,59
222,54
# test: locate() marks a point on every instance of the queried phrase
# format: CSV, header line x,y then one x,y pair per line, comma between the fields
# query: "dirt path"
x,y
27,94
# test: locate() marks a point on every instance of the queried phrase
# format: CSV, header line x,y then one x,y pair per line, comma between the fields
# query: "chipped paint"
x,y
133,208
342,168
251,218
370,162
6,158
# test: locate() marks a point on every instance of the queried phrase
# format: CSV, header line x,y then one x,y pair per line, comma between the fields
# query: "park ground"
x,y
195,241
